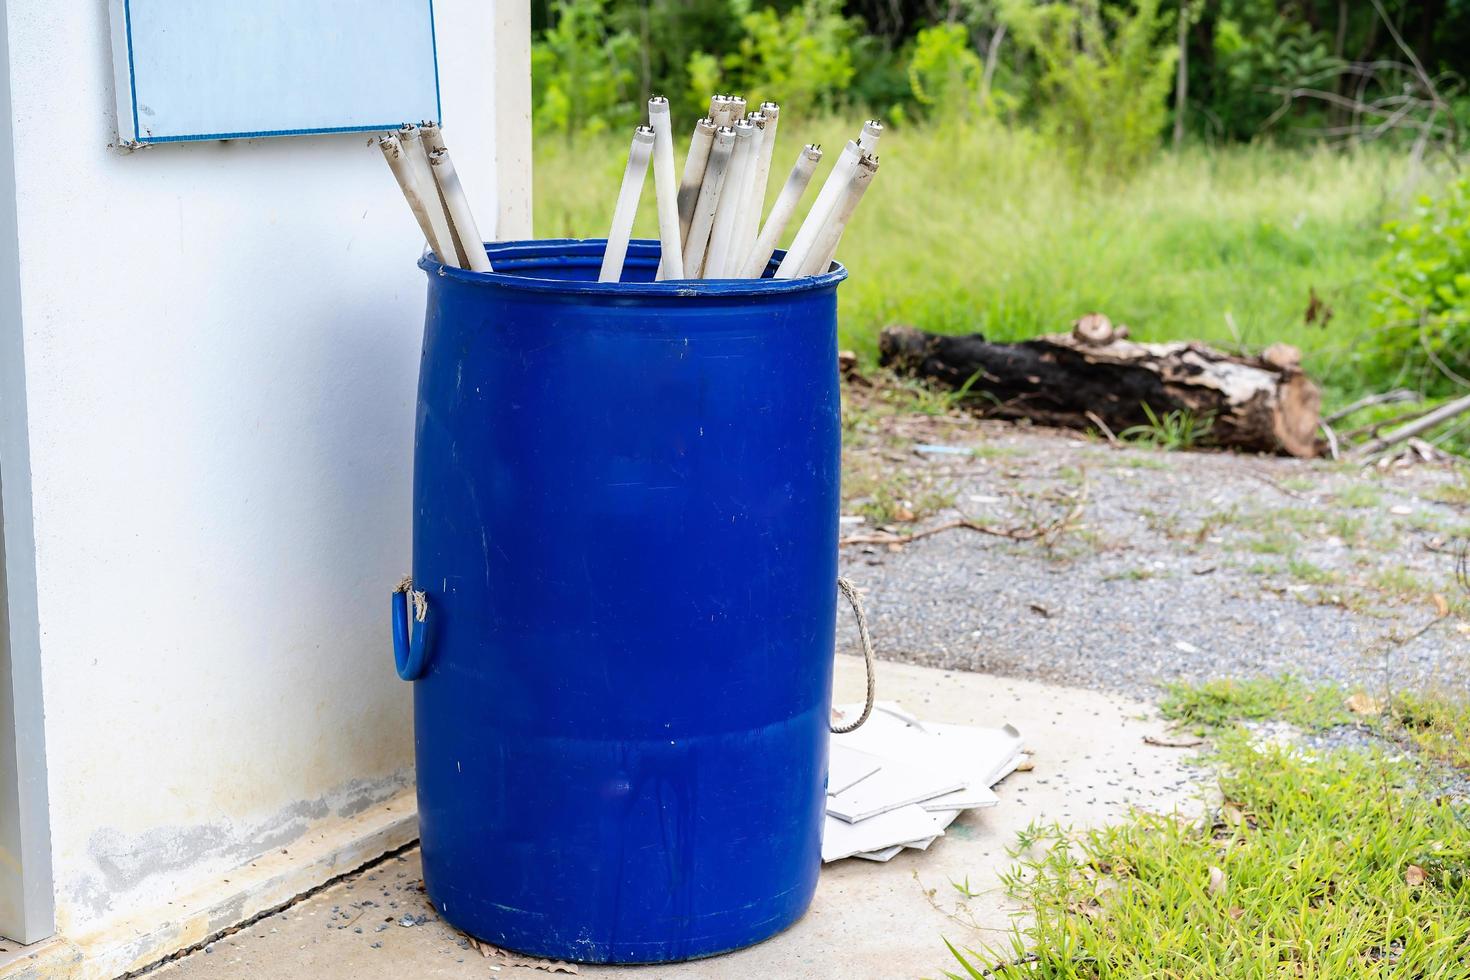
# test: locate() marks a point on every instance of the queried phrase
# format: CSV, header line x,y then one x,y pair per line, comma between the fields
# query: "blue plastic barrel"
x,y
625,530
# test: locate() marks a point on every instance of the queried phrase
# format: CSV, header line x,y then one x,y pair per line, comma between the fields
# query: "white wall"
x,y
220,353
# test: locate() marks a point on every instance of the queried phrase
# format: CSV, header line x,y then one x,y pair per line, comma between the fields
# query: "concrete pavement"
x,y
868,920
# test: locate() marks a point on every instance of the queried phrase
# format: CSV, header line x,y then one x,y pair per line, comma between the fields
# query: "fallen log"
x,y
1259,404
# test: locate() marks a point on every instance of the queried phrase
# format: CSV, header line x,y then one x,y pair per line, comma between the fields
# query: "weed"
x,y
995,452
1272,543
1179,429
1130,575
1399,583
1359,495
1304,571
1456,493
1346,527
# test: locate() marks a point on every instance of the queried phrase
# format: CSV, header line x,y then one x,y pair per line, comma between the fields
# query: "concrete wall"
x,y
219,347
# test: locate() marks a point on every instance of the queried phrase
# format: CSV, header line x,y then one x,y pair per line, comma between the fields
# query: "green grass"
x,y
1171,431
1438,725
1455,493
1359,495
1304,571
1216,704
1323,865
984,229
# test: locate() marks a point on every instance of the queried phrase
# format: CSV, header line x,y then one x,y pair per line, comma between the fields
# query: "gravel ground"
x,y
1174,566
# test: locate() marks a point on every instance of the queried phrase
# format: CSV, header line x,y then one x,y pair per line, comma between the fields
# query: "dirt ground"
x,y
1125,567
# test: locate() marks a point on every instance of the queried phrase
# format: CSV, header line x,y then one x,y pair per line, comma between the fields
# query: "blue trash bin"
x,y
625,537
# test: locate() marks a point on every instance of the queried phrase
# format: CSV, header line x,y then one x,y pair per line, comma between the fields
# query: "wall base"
x,y
267,883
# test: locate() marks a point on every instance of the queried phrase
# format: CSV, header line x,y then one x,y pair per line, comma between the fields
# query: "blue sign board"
x,y
232,69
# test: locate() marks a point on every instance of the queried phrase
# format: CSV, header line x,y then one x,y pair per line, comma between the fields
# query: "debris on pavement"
x,y
897,782
506,958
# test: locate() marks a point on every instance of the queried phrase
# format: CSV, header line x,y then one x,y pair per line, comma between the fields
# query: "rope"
x,y
866,640
418,597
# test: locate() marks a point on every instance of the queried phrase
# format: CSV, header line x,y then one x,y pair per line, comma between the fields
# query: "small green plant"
x,y
963,887
1304,571
1179,429
1359,495
1455,492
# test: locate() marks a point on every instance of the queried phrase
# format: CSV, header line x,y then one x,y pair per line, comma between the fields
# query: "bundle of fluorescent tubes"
x,y
420,162
709,218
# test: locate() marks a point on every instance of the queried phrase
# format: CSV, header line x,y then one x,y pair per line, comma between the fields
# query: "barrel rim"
x,y
641,252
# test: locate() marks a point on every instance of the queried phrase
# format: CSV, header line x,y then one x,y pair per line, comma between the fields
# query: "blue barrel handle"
x,y
410,642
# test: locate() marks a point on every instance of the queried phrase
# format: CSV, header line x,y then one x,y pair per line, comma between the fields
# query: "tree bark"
x,y
1261,404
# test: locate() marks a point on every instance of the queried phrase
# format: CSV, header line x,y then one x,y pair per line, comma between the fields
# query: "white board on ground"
x,y
980,756
883,856
204,70
846,767
969,798
841,839
898,783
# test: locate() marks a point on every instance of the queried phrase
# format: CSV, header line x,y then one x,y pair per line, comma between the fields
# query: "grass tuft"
x,y
1217,704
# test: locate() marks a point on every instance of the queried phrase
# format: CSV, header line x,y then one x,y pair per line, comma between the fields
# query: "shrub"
x,y
1421,300
801,58
580,75
1105,76
944,71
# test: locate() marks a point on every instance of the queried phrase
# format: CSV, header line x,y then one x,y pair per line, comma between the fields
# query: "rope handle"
x,y
855,600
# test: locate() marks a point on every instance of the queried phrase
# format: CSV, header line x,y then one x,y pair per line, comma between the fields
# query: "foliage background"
x,y
1237,171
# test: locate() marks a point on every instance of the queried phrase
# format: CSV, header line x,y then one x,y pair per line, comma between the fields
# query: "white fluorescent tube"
x,y
627,206
837,181
747,218
696,243
756,203
467,243
737,108
432,136
403,172
693,175
461,218
723,232
825,246
690,180
721,111
781,211
872,132
418,162
666,190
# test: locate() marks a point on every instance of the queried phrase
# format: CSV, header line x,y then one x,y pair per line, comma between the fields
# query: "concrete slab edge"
x,y
271,881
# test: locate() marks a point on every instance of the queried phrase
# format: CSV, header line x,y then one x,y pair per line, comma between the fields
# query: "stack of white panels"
x,y
897,782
